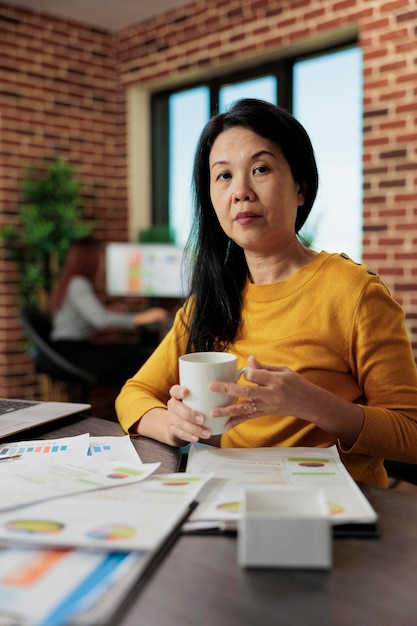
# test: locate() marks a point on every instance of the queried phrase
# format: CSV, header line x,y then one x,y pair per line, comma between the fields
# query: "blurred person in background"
x,y
78,315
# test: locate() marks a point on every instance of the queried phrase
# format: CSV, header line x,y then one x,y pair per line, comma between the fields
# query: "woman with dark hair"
x,y
220,281
78,314
327,356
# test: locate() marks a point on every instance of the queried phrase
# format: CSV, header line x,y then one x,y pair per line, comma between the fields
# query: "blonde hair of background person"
x,y
327,354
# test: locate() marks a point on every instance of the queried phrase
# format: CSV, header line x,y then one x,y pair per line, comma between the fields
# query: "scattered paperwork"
x,y
81,520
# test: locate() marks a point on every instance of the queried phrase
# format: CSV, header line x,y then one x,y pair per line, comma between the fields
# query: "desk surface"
x,y
372,581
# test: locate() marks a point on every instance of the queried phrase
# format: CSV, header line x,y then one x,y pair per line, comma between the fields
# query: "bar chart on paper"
x,y
31,448
59,448
81,445
98,448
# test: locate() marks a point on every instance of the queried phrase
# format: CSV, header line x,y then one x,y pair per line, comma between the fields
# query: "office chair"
x,y
49,362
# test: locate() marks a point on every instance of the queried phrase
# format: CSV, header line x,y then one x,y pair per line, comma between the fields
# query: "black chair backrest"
x,y
46,359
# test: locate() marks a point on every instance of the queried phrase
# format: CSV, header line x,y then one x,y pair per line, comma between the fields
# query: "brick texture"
x,y
62,92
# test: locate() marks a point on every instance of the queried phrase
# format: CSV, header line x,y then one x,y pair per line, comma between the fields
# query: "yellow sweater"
x,y
335,323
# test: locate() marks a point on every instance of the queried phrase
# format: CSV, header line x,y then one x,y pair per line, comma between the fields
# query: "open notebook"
x,y
18,415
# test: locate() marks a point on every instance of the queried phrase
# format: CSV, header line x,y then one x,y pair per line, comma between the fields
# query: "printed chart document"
x,y
121,533
234,469
114,448
65,448
81,521
135,516
59,587
27,479
74,449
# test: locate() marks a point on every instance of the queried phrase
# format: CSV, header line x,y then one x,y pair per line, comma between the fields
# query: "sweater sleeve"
x,y
149,387
82,297
382,360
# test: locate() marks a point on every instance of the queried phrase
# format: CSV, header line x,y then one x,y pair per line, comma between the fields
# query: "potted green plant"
x,y
158,233
49,220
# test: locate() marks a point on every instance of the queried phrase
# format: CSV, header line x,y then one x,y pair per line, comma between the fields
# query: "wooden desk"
x,y
198,583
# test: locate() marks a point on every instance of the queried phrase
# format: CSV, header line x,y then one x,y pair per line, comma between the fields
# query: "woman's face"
x,y
252,190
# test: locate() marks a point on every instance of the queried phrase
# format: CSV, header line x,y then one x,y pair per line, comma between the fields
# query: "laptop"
x,y
17,415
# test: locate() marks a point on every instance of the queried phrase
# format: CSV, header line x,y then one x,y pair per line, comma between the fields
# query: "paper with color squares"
x,y
64,467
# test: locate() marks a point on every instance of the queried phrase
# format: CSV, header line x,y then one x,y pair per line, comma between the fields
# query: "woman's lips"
x,y
246,217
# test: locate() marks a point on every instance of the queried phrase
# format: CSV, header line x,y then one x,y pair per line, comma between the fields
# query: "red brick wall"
x,y
62,92
59,97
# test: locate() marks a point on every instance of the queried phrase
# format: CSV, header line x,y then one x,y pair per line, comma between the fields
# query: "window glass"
x,y
188,112
327,101
264,88
326,98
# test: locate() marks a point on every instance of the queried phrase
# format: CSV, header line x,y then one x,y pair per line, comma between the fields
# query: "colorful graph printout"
x,y
235,469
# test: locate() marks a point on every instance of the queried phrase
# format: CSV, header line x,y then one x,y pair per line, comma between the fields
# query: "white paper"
x,y
36,483
114,448
65,448
52,586
43,450
44,581
41,470
234,469
131,517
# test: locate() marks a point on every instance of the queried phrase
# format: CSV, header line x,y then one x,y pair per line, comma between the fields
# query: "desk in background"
x,y
198,582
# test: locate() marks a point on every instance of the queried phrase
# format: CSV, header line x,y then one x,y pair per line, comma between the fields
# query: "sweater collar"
x,y
285,288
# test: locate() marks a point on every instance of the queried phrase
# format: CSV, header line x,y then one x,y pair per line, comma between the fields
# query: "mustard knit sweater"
x,y
335,323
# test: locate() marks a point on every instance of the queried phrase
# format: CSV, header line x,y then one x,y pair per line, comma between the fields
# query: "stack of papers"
x,y
81,518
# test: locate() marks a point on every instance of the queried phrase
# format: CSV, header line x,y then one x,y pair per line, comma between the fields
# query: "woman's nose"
x,y
243,192
240,197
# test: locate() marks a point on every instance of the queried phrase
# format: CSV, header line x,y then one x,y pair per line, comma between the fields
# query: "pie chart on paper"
x,y
111,532
35,526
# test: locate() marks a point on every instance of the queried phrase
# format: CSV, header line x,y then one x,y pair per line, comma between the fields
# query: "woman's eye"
x,y
224,176
261,169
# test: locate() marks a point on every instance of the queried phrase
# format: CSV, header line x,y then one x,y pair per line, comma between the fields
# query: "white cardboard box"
x,y
284,526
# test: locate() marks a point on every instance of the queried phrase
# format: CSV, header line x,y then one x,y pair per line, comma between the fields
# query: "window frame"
x,y
281,68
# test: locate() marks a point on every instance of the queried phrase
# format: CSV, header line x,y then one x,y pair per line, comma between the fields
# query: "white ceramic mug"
x,y
197,371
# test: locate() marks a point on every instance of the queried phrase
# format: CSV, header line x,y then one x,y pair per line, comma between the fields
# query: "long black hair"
x,y
219,269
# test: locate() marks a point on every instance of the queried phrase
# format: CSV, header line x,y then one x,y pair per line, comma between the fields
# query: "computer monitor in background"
x,y
153,270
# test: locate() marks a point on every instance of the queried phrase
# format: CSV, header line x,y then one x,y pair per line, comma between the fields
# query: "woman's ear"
x,y
302,190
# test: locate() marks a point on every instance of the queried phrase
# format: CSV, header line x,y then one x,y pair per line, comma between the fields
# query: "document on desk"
x,y
40,587
43,585
64,448
43,450
42,470
234,469
76,523
114,448
136,516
